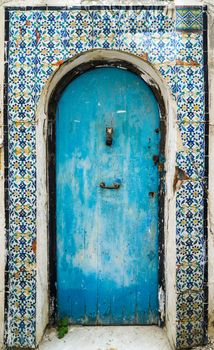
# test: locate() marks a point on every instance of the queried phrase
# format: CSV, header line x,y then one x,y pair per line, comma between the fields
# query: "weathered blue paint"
x,y
107,240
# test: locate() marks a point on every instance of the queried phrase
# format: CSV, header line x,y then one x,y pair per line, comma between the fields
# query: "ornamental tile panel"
x,y
191,251
168,72
191,80
189,302
191,108
190,333
190,47
190,241
106,29
192,136
189,19
162,48
190,276
192,164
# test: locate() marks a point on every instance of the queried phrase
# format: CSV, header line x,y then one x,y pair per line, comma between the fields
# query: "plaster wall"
x,y
168,3
83,2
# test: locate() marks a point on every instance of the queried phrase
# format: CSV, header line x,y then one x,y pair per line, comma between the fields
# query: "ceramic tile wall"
x,y
37,40
191,237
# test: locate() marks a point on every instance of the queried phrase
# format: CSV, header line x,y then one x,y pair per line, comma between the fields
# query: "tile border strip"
x,y
6,164
93,7
206,184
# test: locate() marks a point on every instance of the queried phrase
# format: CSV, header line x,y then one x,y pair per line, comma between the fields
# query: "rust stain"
x,y
190,63
18,40
58,63
21,31
180,178
152,194
161,167
144,56
26,122
156,159
34,246
38,36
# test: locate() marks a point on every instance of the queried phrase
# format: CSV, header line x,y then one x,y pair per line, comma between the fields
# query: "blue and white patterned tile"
x,y
192,135
159,21
188,227
80,31
162,48
168,72
22,178
189,334
134,37
192,212
190,47
106,29
190,276
135,32
192,163
191,79
190,194
187,231
191,107
191,307
190,250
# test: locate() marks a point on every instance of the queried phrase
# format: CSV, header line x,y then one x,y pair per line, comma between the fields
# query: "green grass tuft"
x,y
62,327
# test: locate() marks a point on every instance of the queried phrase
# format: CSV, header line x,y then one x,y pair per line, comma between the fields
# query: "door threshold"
x,y
107,338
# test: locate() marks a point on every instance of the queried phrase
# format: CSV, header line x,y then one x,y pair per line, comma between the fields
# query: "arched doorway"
x,y
46,114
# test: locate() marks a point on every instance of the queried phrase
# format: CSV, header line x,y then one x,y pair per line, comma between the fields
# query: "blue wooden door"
x,y
107,239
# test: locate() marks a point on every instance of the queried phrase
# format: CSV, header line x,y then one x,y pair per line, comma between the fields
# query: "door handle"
x,y
114,186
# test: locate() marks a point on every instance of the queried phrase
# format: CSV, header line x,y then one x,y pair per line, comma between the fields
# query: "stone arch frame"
x,y
45,150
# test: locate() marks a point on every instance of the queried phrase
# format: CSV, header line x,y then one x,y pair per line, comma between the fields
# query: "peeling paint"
x,y
190,63
38,36
58,63
119,112
34,246
161,298
179,178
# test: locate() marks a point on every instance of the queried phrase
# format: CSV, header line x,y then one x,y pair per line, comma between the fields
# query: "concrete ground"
x,y
209,346
107,338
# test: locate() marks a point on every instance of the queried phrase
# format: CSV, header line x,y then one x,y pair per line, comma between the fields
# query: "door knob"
x,y
114,186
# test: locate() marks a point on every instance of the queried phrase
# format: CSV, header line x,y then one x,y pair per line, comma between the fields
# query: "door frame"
x,y
65,74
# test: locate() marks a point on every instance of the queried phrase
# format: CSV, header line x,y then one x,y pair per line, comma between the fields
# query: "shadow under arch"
x,y
46,185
